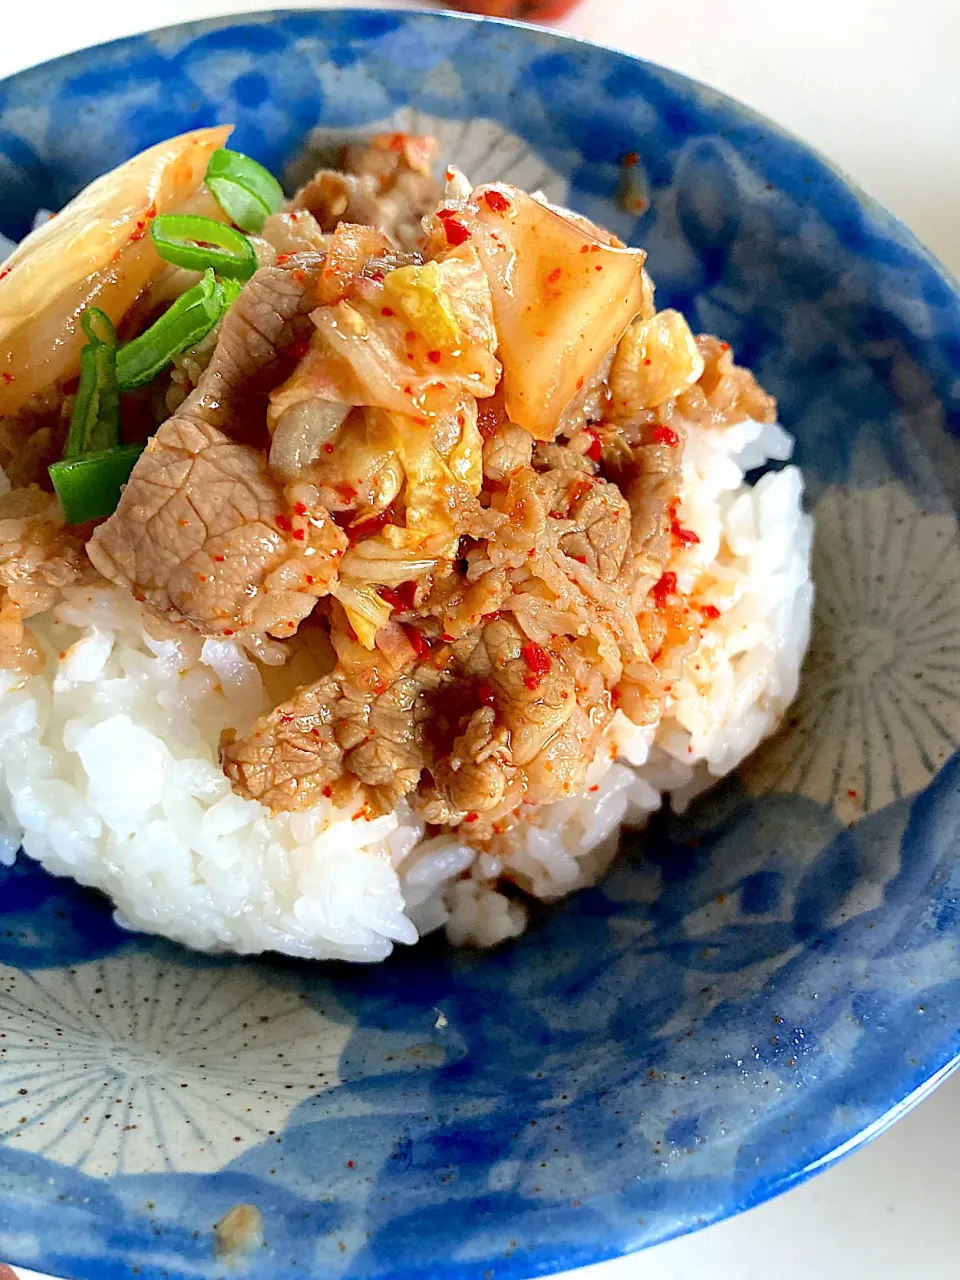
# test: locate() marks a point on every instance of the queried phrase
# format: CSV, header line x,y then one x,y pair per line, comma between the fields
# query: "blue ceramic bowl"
x,y
775,978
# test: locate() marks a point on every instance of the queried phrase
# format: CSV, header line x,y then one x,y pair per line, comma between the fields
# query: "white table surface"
x,y
873,84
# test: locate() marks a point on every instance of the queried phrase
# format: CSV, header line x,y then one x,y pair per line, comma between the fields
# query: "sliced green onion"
x,y
244,190
89,487
98,327
188,240
189,319
95,421
231,292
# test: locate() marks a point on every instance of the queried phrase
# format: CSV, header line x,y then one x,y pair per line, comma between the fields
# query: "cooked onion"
x,y
657,360
301,433
95,252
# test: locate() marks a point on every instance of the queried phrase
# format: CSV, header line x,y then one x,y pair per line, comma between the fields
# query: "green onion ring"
x,y
89,486
245,190
188,320
191,241
95,420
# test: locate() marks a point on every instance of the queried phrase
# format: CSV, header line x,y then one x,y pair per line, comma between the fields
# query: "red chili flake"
x,y
456,232
447,637
579,559
421,646
434,357
299,535
219,559
595,787
852,794
555,275
598,267
648,361
309,579
724,346
387,311
449,175
538,663
391,598
666,435
472,817
667,586
5,272
595,452
282,258
228,631
283,523
298,275
485,694
710,612
377,275
183,523
631,160
300,508
328,448
368,528
328,792
496,202
314,732
407,591
350,1164
297,350
686,537
285,717
346,491
142,223
408,391
410,335
585,249
8,377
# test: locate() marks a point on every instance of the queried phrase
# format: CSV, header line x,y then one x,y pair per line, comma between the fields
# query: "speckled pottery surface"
x,y
774,976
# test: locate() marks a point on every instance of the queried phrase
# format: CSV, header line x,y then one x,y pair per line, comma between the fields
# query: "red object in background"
x,y
526,10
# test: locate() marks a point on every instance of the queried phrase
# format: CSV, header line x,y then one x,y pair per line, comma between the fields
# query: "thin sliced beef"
x,y
271,313
466,734
37,559
203,531
385,183
332,739
504,691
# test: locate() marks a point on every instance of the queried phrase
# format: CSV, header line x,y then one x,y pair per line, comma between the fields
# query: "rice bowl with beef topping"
x,y
410,553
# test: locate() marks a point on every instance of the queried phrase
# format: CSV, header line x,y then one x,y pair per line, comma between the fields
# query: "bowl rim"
x,y
547,1259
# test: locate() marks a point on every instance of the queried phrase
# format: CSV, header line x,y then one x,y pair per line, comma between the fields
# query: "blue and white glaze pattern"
x,y
777,975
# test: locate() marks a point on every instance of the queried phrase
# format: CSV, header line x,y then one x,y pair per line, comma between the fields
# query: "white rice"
x,y
109,770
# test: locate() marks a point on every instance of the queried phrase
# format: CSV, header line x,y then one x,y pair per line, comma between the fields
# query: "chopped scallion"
x,y
231,291
95,421
245,191
191,241
188,320
89,486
